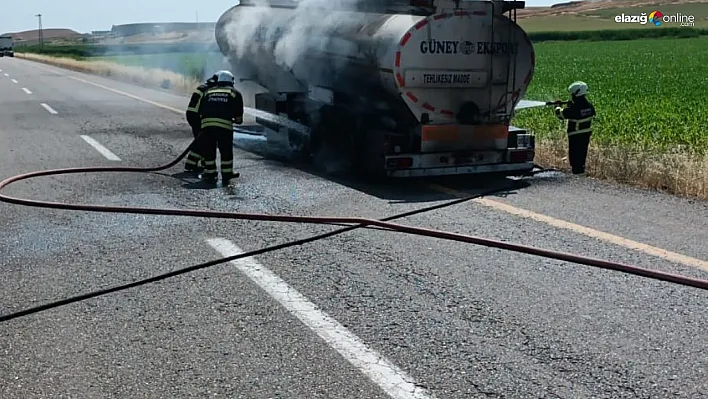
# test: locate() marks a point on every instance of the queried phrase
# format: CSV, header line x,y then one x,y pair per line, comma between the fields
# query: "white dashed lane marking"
x,y
382,372
103,150
50,109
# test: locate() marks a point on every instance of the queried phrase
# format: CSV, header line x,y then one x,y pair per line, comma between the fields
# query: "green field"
x,y
188,64
650,93
604,18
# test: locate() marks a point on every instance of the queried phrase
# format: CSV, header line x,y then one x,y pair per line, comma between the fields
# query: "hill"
x,y
600,14
32,36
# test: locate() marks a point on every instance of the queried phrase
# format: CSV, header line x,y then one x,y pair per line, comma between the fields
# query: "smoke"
x,y
187,49
290,38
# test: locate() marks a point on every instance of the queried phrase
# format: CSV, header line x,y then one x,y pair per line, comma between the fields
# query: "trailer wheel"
x,y
369,159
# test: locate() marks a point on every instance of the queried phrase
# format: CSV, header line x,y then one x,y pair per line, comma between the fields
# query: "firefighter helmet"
x,y
225,77
578,89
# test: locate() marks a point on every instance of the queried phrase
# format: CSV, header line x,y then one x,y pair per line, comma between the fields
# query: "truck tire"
x,y
369,162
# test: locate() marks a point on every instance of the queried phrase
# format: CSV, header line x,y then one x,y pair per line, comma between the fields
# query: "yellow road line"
x,y
611,238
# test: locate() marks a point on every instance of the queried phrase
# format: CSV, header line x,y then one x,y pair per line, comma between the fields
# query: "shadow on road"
x,y
407,190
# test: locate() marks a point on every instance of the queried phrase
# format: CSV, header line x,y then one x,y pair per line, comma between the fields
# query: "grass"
x,y
188,64
652,127
194,62
151,77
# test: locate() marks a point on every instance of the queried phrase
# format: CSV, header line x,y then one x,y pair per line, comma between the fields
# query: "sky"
x,y
85,16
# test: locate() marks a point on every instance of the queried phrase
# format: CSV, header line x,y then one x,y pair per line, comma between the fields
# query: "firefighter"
x,y
220,108
579,114
196,155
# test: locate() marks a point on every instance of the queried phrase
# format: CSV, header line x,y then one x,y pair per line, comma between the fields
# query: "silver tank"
x,y
438,64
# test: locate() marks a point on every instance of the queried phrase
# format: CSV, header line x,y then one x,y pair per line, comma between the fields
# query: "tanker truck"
x,y
396,88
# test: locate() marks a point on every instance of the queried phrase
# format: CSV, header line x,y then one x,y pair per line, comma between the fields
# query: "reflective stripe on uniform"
x,y
227,167
220,90
193,158
580,131
573,125
580,120
195,108
210,167
217,122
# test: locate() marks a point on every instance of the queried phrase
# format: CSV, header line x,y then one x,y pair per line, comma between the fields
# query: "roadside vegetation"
x,y
149,77
652,124
647,84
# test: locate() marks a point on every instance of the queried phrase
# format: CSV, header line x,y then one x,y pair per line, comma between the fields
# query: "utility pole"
x,y
197,14
41,33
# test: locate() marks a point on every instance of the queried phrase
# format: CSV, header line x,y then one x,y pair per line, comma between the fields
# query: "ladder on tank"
x,y
503,114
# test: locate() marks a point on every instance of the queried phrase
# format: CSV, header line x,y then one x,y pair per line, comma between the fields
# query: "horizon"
x,y
83,16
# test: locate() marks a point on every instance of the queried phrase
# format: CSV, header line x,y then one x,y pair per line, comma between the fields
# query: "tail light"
x,y
399,163
521,156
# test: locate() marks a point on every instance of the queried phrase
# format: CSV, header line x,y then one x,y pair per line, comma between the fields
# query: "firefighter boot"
x,y
210,173
227,171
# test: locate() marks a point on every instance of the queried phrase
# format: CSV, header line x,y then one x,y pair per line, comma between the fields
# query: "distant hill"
x,y
599,14
587,7
32,36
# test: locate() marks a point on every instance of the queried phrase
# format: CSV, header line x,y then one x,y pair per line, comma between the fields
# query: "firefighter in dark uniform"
x,y
579,114
220,108
195,156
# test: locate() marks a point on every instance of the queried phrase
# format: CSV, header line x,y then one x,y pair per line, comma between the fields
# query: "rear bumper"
x,y
521,167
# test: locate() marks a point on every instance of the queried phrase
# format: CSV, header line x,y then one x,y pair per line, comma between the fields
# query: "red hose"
x,y
674,278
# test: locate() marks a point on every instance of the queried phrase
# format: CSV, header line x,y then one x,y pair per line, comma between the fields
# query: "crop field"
x,y
649,93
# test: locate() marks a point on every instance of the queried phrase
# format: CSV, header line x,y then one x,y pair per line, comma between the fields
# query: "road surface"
x,y
367,314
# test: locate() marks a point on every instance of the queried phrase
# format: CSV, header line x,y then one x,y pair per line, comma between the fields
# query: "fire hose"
x,y
351,222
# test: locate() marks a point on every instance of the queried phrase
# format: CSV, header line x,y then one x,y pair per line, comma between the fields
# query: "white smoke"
x,y
290,35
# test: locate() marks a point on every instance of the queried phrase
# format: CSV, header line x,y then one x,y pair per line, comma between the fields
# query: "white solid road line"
x,y
50,109
7,74
26,90
103,150
15,81
387,376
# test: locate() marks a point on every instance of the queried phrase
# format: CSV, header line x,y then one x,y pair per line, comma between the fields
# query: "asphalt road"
x,y
367,314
